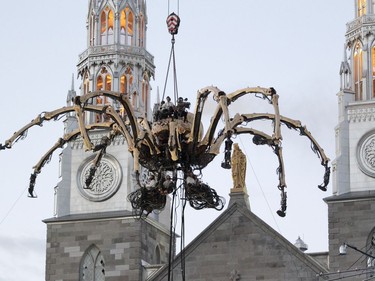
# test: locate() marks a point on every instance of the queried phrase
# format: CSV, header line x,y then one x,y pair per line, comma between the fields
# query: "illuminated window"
x,y
99,83
103,83
358,62
362,7
126,81
92,266
126,26
108,82
123,84
106,26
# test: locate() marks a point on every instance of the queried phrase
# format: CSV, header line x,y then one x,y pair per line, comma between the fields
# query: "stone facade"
x,y
351,220
125,243
350,209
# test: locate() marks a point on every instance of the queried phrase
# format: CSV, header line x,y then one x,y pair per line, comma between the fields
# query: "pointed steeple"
x,y
72,88
71,93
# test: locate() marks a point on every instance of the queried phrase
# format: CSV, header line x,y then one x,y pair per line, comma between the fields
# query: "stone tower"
x,y
94,235
351,217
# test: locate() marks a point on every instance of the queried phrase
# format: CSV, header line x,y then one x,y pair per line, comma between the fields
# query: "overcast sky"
x,y
295,46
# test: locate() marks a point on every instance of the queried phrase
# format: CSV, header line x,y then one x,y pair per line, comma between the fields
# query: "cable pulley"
x,y
173,23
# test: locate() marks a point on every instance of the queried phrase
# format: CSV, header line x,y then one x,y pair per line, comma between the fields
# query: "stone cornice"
x,y
95,139
361,112
353,27
113,51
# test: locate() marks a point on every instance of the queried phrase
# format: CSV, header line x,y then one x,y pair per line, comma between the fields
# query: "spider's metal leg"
x,y
85,136
59,144
266,93
295,124
277,125
117,118
149,137
201,99
45,116
123,99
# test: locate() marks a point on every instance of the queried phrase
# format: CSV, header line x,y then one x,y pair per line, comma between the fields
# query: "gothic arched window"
x,y
92,266
106,26
357,65
362,9
157,255
123,84
103,82
126,81
126,26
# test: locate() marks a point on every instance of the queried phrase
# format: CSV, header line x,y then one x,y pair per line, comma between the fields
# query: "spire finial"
x,y
157,95
72,88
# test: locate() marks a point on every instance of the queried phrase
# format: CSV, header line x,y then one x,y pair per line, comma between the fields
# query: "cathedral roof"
x,y
239,241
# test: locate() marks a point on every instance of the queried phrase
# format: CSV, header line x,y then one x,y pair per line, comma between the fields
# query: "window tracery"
x,y
106,26
126,26
126,81
103,82
92,265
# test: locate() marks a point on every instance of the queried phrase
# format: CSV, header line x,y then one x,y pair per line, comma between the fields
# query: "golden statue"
x,y
238,169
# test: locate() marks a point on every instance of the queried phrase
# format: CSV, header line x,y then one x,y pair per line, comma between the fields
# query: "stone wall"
x,y
351,220
124,243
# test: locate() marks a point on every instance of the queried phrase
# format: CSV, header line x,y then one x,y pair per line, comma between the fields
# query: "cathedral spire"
x,y
116,58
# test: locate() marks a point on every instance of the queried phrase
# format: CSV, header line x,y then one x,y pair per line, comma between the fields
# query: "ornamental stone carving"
x,y
362,114
234,275
366,154
106,181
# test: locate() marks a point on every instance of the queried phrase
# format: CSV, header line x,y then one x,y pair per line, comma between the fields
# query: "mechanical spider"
x,y
173,143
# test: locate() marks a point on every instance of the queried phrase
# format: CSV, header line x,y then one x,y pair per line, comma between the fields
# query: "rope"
x,y
12,207
182,245
171,236
172,59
